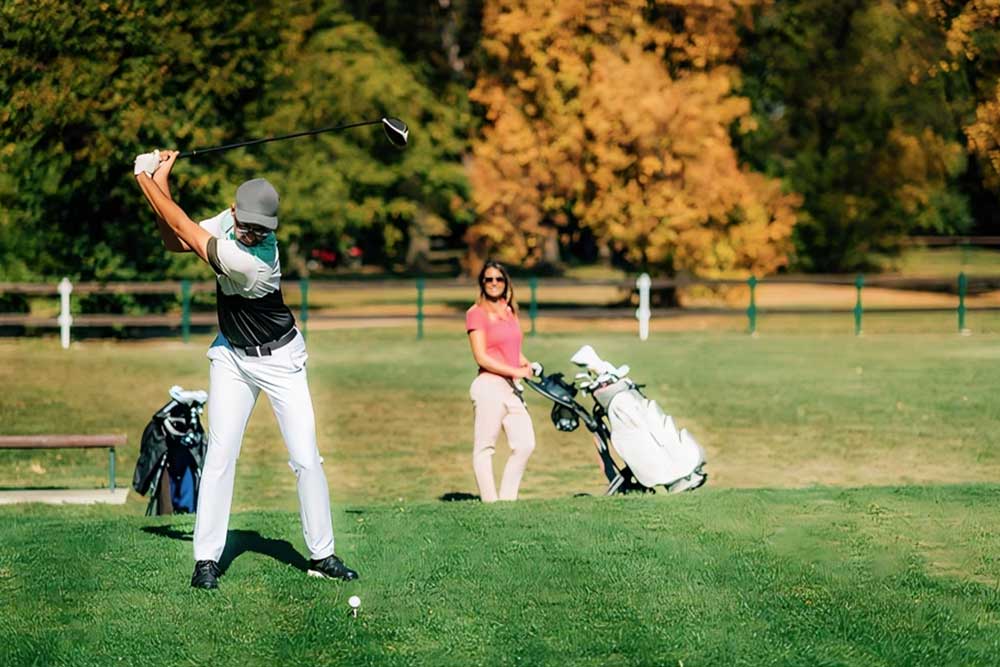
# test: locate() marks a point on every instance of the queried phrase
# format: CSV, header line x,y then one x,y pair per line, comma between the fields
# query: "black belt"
x,y
265,349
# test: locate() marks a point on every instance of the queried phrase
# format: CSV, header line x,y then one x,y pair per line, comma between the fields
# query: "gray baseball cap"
x,y
257,203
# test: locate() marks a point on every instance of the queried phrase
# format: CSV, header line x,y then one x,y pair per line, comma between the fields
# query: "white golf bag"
x,y
645,438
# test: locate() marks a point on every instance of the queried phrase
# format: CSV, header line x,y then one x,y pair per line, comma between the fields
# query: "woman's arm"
x,y
477,339
185,229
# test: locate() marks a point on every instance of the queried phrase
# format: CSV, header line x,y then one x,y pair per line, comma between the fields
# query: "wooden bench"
x,y
68,442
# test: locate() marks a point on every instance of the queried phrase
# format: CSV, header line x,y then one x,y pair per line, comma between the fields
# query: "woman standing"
x,y
495,336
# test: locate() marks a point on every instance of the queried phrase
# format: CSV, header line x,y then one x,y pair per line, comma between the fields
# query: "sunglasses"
x,y
254,230
491,279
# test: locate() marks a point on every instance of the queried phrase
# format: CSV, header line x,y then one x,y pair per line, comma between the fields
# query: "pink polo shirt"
x,y
503,337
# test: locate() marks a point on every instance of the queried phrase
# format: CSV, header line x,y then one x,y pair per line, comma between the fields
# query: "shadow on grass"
x,y
239,542
457,496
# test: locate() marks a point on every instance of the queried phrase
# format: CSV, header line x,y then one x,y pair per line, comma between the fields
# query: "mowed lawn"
x,y
395,419
850,517
868,577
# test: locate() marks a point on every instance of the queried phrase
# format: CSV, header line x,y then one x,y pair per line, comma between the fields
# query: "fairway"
x,y
395,421
881,576
849,518
362,202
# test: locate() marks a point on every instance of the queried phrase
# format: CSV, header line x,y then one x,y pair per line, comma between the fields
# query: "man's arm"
x,y
176,220
170,240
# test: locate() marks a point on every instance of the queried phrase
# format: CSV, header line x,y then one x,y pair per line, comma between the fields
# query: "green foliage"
x,y
88,85
353,186
443,37
866,109
847,117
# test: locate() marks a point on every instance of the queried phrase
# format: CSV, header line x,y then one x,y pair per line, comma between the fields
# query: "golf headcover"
x,y
587,357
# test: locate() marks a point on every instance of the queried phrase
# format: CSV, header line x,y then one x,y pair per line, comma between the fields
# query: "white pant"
x,y
234,384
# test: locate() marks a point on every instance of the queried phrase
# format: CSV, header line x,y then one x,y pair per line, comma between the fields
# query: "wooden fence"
x,y
186,290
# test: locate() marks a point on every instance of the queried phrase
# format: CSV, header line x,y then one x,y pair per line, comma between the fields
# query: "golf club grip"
x,y
254,142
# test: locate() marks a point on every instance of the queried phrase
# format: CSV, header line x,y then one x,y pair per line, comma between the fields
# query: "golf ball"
x,y
354,601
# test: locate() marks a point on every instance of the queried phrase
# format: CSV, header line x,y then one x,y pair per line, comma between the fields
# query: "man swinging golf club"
x,y
258,348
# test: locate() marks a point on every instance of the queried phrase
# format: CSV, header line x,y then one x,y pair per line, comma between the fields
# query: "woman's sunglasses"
x,y
491,279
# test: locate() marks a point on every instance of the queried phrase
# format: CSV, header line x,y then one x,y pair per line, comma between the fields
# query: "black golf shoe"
x,y
331,567
206,574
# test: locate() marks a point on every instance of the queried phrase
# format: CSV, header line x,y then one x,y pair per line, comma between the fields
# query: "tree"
x,y
354,185
86,86
972,38
846,119
614,118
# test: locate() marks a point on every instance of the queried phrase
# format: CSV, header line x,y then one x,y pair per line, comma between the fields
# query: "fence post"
x,y
752,308
186,310
859,282
65,319
533,309
420,307
304,307
643,283
962,286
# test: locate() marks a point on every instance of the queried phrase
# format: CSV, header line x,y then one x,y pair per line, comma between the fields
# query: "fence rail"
x,y
204,286
643,286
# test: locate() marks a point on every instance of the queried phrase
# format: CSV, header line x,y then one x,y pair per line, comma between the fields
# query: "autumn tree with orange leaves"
x,y
615,118
973,36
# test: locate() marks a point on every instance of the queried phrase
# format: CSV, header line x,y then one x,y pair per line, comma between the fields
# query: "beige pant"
x,y
496,406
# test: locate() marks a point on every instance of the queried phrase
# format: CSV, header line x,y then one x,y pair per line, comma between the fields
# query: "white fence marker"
x,y
643,282
65,319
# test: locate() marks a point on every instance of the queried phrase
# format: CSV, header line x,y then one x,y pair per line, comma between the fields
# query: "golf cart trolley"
x,y
643,436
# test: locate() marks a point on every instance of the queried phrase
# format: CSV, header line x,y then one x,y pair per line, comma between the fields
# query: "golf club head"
x,y
396,131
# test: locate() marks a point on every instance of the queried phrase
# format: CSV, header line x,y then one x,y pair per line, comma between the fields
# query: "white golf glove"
x,y
536,369
147,162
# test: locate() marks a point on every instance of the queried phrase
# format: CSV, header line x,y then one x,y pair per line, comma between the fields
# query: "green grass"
x,y
395,421
850,517
881,576
948,262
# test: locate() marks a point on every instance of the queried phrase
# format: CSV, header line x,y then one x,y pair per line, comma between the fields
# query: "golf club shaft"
x,y
253,142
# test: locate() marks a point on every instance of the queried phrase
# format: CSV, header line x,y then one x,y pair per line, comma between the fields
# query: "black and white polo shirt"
x,y
251,309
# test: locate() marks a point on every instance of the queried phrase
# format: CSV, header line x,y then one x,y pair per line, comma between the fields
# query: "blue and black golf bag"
x,y
171,455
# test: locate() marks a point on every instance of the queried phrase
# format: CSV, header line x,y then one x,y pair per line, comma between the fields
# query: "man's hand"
x,y
146,163
167,160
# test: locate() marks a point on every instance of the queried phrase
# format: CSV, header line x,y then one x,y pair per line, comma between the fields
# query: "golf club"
x,y
395,131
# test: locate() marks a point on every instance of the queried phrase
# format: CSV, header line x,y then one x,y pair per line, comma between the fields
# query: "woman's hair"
x,y
508,289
